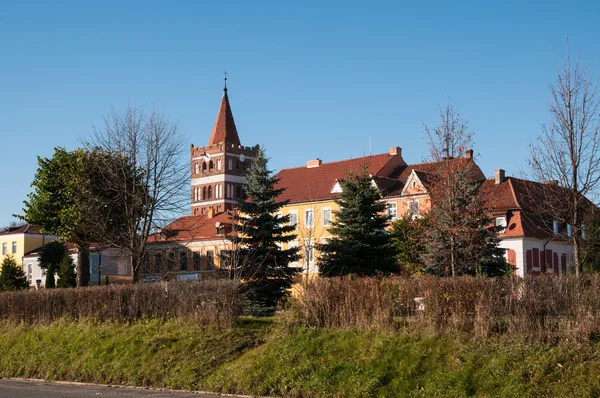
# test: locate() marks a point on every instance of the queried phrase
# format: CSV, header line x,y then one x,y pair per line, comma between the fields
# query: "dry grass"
x,y
208,303
544,308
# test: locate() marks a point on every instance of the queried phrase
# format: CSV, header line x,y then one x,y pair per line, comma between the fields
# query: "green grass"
x,y
171,354
257,357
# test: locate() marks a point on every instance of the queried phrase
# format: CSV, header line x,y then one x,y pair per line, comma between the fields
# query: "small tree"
x,y
262,264
359,243
66,272
461,239
408,237
12,276
51,258
568,151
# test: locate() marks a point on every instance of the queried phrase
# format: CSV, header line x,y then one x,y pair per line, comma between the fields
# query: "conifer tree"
x,y
12,276
359,243
259,259
66,272
461,238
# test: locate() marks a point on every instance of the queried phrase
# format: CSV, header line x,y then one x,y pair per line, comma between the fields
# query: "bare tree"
x,y
152,146
567,150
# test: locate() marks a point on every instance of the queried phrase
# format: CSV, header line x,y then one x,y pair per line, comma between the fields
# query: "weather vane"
x,y
225,73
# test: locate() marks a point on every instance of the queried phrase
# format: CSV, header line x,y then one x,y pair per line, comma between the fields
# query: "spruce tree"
x,y
359,243
66,273
259,259
12,276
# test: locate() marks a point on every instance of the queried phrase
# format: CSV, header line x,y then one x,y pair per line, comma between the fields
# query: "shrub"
x,y
209,303
542,307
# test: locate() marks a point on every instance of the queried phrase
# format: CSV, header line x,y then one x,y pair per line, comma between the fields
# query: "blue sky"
x,y
307,79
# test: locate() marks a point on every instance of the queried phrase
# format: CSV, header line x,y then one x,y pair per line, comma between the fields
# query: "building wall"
x,y
25,243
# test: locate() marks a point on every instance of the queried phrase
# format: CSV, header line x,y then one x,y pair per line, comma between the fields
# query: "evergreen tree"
x,y
408,238
359,243
51,258
461,238
12,276
66,272
260,261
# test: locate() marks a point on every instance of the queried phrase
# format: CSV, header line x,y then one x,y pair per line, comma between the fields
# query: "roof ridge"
x,y
337,161
514,194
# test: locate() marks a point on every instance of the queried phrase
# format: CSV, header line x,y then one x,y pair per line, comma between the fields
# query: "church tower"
x,y
218,168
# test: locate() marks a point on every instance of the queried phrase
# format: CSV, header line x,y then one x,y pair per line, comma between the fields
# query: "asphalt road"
x,y
32,389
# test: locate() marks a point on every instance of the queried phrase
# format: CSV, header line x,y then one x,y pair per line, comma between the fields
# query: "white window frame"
x,y
500,222
14,247
418,213
309,250
219,164
555,227
4,248
312,219
326,221
392,210
294,212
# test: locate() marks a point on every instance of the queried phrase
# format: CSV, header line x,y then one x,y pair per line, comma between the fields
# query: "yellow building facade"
x,y
18,241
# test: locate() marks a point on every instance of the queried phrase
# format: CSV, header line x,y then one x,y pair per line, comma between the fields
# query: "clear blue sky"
x,y
307,79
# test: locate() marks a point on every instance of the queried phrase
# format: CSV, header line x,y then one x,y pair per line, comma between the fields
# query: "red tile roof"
x,y
21,229
424,171
304,184
224,129
192,228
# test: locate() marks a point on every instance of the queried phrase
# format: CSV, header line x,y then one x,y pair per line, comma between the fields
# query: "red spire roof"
x,y
224,130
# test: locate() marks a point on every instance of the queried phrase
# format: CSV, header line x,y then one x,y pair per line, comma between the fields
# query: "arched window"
x,y
218,164
197,168
204,193
196,194
209,192
211,166
203,167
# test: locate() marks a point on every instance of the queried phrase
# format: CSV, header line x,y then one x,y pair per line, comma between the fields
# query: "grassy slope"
x,y
358,364
255,359
163,354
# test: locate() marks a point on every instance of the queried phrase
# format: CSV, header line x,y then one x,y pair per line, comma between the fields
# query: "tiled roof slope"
x,y
21,229
304,184
191,228
224,129
424,171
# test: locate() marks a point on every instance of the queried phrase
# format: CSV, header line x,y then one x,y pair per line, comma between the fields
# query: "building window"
x,y
555,226
211,166
294,219
183,261
326,217
203,167
157,262
4,248
209,192
14,247
309,251
413,208
392,210
230,164
29,272
309,218
501,223
196,257
569,231
210,259
219,164
171,262
197,168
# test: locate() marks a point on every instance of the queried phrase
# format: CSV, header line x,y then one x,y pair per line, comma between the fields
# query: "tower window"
x,y
203,167
230,164
219,164
209,192
211,166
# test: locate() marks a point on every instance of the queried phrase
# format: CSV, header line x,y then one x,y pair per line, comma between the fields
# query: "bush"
x,y
12,276
209,303
543,307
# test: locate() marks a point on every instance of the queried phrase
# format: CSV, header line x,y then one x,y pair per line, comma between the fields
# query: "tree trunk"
x,y
83,266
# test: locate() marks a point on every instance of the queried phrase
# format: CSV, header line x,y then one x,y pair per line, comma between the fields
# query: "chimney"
x,y
551,182
499,175
396,151
313,163
211,212
469,154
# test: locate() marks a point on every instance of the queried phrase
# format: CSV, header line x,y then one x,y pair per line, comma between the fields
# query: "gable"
x,y
414,185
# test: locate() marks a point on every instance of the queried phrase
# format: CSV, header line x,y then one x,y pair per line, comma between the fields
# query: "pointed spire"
x,y
224,129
